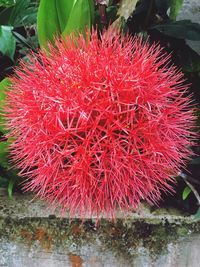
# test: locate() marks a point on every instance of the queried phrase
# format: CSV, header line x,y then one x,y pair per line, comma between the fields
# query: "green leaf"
x,y
23,12
175,6
63,8
8,178
81,17
48,25
4,84
186,192
4,154
6,3
183,29
7,41
11,184
91,5
63,17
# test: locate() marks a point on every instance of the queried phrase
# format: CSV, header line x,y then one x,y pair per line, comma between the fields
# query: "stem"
x,y
102,12
146,22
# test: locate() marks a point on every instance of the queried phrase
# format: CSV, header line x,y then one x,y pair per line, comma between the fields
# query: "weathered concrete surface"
x,y
191,10
31,235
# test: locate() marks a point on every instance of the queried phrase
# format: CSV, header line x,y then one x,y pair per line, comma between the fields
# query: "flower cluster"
x,y
99,124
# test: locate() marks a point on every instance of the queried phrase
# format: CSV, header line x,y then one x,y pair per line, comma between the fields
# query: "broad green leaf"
x,y
52,19
186,192
175,6
7,41
81,17
58,17
91,5
48,25
183,29
63,8
4,84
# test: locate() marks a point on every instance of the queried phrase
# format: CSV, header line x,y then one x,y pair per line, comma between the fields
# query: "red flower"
x,y
99,125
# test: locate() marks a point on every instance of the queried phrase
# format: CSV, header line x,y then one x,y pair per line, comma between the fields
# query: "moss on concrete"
x,y
135,236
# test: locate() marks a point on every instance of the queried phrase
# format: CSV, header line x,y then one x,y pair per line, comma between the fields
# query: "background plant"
x,y
157,19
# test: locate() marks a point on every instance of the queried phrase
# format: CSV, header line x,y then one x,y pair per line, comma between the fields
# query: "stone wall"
x,y
33,235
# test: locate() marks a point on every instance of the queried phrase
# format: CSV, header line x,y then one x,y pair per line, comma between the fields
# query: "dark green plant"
x,y
8,176
16,20
157,19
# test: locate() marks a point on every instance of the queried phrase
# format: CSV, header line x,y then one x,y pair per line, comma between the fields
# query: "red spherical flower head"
x,y
99,125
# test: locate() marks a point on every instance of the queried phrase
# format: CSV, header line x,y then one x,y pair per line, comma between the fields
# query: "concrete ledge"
x,y
32,235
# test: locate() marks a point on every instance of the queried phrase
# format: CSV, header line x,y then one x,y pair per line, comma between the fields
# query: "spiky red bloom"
x,y
99,125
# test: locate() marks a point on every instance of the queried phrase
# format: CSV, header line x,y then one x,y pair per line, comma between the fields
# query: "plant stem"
x,y
146,22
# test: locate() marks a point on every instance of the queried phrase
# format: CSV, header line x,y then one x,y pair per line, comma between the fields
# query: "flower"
x,y
99,125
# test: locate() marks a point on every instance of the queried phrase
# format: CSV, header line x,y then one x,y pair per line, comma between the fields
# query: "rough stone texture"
x,y
33,235
191,10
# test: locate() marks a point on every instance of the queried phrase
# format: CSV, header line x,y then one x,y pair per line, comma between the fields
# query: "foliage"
x,y
157,19
173,35
17,33
16,19
175,6
8,177
4,84
186,192
7,41
7,3
185,28
63,17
